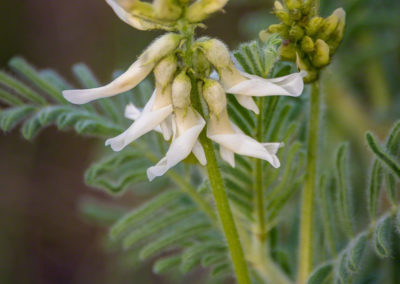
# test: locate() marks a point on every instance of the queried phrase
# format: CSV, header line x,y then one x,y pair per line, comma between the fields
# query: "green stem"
x,y
221,199
225,213
305,260
258,180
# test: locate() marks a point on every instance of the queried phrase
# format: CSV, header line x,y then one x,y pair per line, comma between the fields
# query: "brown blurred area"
x,y
43,238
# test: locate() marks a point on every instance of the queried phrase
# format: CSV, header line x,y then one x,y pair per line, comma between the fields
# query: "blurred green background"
x,y
43,237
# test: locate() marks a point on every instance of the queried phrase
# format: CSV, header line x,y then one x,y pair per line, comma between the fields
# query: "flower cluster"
x,y
183,68
309,39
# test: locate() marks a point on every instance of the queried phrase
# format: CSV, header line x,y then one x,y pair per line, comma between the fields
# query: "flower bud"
x,y
314,25
295,14
276,28
303,64
321,57
278,5
215,96
201,9
216,52
283,16
161,47
341,14
201,64
167,9
296,33
181,88
288,52
293,4
165,70
329,26
307,44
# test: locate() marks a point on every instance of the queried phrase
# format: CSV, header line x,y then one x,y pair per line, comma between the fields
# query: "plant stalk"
x,y
305,260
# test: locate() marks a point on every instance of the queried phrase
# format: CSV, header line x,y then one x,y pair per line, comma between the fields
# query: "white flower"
x,y
232,140
139,70
245,86
187,126
150,118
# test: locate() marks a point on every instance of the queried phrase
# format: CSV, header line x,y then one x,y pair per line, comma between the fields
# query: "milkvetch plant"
x,y
245,208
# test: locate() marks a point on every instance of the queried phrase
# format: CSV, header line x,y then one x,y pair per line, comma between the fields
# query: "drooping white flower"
x,y
149,119
232,140
244,86
229,136
139,70
187,126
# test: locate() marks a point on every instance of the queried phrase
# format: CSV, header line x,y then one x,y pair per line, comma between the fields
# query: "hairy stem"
x,y
258,180
305,260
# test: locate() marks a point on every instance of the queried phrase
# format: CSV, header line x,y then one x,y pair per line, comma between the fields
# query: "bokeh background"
x,y
43,236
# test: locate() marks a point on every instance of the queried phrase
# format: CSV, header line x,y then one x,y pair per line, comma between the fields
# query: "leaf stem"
x,y
305,260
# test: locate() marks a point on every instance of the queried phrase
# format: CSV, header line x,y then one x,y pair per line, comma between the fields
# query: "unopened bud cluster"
x,y
309,39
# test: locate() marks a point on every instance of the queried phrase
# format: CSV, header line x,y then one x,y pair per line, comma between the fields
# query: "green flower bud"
x,y
201,64
304,64
161,47
329,26
288,52
167,9
307,44
181,88
214,95
295,14
165,70
283,16
276,28
278,5
216,52
314,25
296,33
321,56
201,9
293,4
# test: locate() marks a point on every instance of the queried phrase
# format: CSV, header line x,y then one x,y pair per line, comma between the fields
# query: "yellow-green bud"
x,y
307,44
165,70
321,56
341,14
201,9
296,33
295,14
293,4
283,16
181,88
214,95
303,64
276,28
314,25
216,52
278,5
201,64
288,52
167,9
329,26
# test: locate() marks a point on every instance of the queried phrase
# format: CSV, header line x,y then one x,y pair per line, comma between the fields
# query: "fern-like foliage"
x,y
384,221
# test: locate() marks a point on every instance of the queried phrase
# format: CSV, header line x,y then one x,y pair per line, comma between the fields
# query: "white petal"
x,y
272,147
245,145
180,148
132,112
227,155
145,123
166,128
132,77
291,85
198,152
247,102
